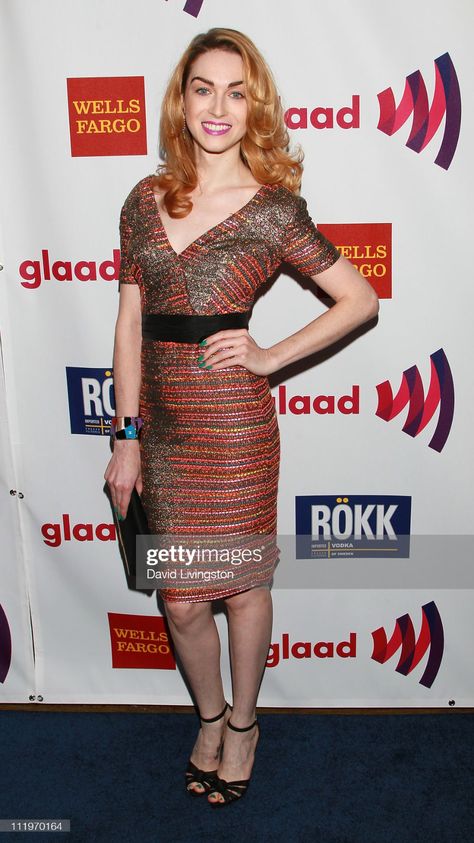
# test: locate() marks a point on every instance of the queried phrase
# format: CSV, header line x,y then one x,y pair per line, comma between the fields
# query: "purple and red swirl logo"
x,y
193,7
426,118
421,408
412,650
5,646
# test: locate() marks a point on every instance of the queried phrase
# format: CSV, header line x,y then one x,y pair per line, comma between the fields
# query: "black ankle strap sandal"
x,y
231,791
193,774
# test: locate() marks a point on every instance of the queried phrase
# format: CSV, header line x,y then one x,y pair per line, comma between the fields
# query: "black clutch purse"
x,y
134,524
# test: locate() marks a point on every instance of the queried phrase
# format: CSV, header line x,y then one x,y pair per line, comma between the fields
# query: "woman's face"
x,y
215,102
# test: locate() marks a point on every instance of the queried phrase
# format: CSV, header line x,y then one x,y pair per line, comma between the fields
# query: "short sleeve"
x,y
127,274
304,246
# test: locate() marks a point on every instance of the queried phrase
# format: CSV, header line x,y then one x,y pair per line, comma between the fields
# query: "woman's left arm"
x,y
356,302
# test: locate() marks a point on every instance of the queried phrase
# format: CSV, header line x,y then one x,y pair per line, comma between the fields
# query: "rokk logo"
x,y
107,116
412,651
352,526
5,646
420,408
427,119
369,247
91,399
140,641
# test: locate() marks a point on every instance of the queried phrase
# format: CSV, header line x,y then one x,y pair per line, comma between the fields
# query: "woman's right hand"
x,y
123,473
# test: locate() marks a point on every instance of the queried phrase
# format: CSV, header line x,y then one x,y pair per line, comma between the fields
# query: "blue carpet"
x,y
331,778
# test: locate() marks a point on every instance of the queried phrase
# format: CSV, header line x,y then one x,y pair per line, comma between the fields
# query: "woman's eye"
x,y
237,95
202,90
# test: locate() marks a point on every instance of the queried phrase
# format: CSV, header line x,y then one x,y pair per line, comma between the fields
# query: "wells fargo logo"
x,y
369,247
107,116
412,649
421,407
140,641
426,118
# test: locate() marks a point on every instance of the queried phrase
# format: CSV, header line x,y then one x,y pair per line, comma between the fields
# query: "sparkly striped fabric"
x,y
210,447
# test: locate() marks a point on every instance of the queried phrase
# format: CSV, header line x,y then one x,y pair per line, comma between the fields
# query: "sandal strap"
x,y
229,790
194,774
241,728
218,716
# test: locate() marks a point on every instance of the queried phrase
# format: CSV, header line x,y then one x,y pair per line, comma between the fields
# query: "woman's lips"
x,y
216,128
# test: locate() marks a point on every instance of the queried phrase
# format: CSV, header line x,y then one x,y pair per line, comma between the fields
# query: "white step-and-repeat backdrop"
x,y
375,430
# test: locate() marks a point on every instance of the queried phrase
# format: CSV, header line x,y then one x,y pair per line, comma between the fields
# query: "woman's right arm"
x,y
123,471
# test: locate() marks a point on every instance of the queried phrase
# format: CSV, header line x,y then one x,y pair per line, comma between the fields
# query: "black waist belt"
x,y
177,327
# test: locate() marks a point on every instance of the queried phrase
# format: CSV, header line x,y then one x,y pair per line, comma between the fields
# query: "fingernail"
x,y
201,357
201,364
203,342
208,367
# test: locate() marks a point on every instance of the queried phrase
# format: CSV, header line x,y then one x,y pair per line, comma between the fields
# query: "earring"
x,y
183,130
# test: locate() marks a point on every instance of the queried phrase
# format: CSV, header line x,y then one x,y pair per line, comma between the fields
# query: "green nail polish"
x,y
203,342
201,357
201,364
208,367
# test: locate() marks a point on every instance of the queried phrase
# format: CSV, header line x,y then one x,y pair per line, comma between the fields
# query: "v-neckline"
x,y
209,230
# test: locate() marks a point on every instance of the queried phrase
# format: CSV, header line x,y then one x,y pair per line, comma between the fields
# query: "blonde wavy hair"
x,y
265,147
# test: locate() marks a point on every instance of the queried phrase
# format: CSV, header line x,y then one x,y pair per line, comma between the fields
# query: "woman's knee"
x,y
253,597
185,614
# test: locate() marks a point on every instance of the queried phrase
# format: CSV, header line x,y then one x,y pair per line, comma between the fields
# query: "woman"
x,y
196,242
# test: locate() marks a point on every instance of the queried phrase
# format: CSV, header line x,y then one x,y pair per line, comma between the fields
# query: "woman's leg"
x,y
250,616
196,640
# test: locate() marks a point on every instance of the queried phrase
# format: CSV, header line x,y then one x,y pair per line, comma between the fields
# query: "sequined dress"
x,y
210,446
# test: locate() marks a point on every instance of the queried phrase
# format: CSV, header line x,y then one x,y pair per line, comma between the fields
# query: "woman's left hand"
x,y
234,348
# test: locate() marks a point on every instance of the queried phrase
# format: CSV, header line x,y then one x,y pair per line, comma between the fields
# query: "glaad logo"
x,y
54,534
352,526
307,649
5,646
323,117
34,272
91,399
426,119
321,404
411,651
421,409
